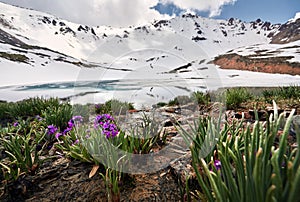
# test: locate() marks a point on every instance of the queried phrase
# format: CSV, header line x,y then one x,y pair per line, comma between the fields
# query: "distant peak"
x,y
297,16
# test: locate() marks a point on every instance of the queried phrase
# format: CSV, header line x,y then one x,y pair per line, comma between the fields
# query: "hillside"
x,y
281,56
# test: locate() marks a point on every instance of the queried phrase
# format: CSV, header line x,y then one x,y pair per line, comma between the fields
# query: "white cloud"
x,y
115,12
96,12
214,7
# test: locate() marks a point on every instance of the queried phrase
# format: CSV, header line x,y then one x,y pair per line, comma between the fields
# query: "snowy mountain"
x,y
288,32
38,48
282,55
80,41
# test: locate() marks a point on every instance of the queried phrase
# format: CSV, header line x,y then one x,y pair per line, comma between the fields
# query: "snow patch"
x,y
297,16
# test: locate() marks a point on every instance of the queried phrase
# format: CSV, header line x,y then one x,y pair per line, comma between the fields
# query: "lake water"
x,y
144,89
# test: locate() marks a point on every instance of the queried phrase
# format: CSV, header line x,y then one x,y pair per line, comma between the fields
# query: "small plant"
x,y
282,93
114,107
71,144
236,96
26,108
200,98
247,165
180,100
143,136
22,149
83,110
101,143
4,113
161,104
58,115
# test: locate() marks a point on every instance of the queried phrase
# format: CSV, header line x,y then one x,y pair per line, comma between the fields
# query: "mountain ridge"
x,y
77,40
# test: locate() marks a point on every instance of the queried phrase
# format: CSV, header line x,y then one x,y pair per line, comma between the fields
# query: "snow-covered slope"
x,y
80,41
297,16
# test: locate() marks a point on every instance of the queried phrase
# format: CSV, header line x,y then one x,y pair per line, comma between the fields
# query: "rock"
x,y
295,125
198,38
191,107
54,22
168,123
93,32
174,109
181,168
262,114
170,131
266,26
132,111
230,21
238,115
62,24
287,33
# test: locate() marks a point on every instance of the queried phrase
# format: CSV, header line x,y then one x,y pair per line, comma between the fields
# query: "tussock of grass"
x,y
287,92
113,107
32,107
236,96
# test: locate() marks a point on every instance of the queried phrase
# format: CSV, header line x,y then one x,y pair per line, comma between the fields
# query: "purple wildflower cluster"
x,y
106,123
51,129
71,123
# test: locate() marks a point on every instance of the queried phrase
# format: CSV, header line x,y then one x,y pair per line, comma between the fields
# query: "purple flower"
x,y
16,124
71,124
38,118
51,129
106,123
76,142
75,120
57,135
217,164
67,130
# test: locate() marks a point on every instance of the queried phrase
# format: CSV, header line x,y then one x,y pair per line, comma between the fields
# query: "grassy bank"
x,y
244,159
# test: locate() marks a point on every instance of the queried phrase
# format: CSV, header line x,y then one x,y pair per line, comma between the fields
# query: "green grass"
x,y
287,92
253,165
236,96
14,57
58,115
201,98
51,109
180,100
26,108
114,107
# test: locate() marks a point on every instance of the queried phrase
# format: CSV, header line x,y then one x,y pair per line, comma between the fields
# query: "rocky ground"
x,y
279,65
64,180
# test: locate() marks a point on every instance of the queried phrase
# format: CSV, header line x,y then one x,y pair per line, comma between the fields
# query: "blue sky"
x,y
123,13
275,11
